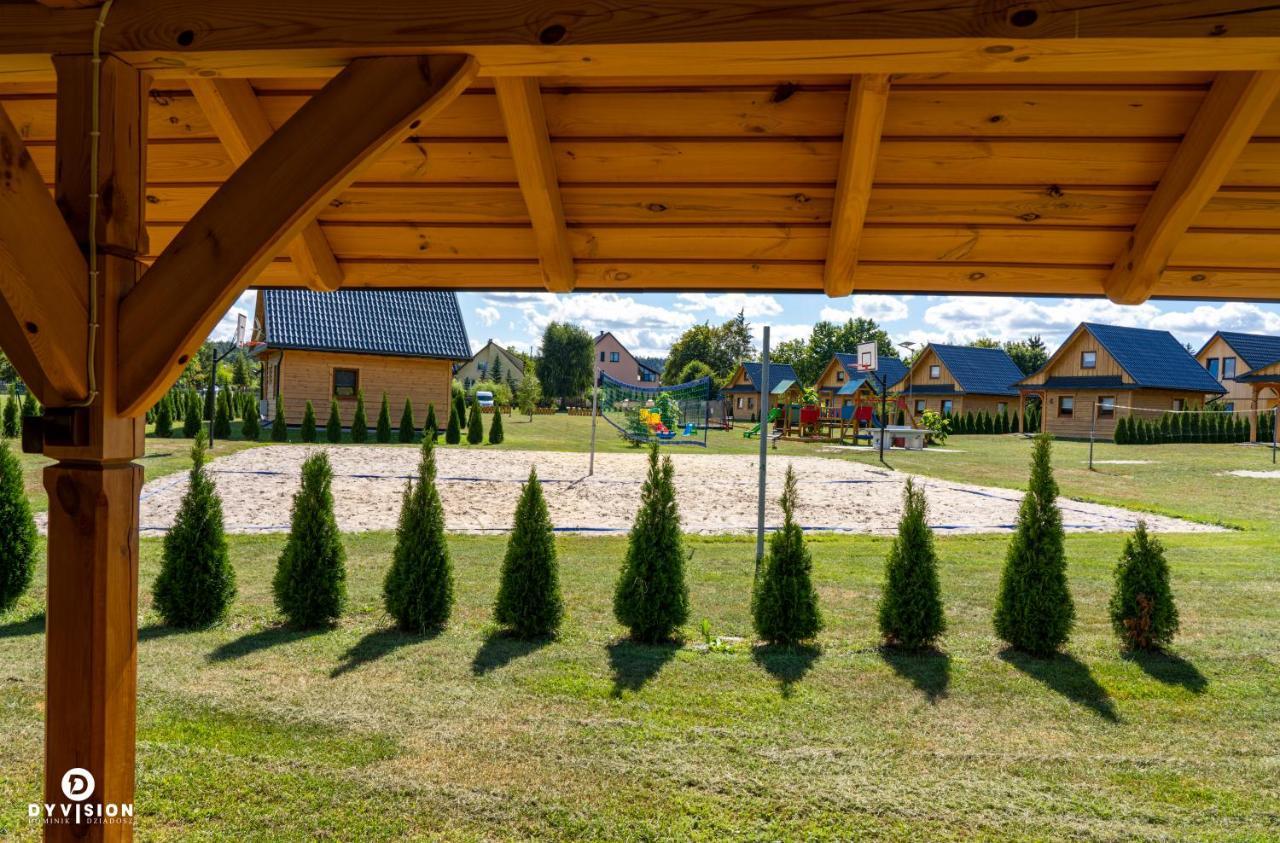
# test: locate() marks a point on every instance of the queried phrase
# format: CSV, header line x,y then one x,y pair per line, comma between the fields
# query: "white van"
x,y
484,399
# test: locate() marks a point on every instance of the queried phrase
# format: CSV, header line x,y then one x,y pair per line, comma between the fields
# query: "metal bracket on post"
x,y
62,427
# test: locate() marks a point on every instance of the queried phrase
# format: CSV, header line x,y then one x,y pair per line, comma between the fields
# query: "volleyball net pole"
x,y
595,393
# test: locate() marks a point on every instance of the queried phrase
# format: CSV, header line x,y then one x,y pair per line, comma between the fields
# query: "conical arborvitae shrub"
x,y
308,433
279,427
164,419
529,602
911,604
651,598
431,428
495,428
333,427
192,421
384,421
1143,613
475,426
12,427
418,591
453,433
17,531
310,584
1034,611
196,583
360,421
30,407
407,431
250,430
460,408
222,421
784,606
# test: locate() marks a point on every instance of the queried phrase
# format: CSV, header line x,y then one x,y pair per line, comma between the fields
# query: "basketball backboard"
x,y
868,356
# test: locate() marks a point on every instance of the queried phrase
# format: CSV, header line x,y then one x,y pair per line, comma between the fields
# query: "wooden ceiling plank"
x,y
1222,128
367,109
43,280
520,101
864,117
241,124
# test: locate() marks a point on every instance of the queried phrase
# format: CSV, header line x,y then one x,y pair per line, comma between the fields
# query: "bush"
x,y
529,600
651,598
495,428
529,392
911,605
359,421
222,420
164,418
250,430
418,590
460,408
453,433
196,583
693,370
309,423
12,425
191,420
1013,422
1142,610
1121,432
384,421
784,606
30,407
279,427
407,432
1034,611
475,427
333,427
431,428
310,583
17,531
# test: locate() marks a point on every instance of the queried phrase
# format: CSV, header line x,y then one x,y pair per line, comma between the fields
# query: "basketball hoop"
x,y
241,320
868,357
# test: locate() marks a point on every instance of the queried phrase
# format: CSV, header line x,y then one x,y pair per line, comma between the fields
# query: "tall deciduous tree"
x,y
809,357
566,360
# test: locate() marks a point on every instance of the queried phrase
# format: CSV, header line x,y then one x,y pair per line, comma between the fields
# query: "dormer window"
x,y
839,375
935,372
1088,360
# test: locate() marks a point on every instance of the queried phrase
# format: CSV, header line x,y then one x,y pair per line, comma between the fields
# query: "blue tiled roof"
x,y
1154,359
983,371
1256,350
778,372
402,323
891,368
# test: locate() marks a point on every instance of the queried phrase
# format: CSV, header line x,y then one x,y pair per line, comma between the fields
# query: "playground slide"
x,y
755,429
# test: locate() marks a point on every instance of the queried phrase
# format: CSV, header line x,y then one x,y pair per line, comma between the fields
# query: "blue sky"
x,y
648,324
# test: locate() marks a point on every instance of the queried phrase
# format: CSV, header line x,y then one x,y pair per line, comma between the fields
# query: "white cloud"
x,y
880,308
961,319
226,327
1198,324
645,329
782,333
489,314
728,305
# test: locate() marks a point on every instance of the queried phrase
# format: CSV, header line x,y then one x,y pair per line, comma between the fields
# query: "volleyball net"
x,y
1214,423
668,415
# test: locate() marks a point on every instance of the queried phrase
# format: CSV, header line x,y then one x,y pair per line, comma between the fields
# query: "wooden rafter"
x,y
370,107
242,126
868,97
520,101
43,280
1223,126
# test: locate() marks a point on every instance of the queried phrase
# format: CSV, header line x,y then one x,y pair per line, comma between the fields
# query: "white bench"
x,y
910,438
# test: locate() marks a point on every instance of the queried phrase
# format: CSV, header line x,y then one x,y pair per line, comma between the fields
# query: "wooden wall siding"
x,y
1156,401
308,376
983,183
1236,391
1067,362
919,374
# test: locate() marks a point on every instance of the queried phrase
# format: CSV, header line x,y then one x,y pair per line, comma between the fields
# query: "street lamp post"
x,y
911,407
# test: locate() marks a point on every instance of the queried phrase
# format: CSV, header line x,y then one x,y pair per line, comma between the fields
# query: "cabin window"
x,y
1067,405
1106,407
602,357
1002,407
946,407
1088,360
919,405
751,403
1228,368
1230,406
1212,365
839,375
739,402
346,383
646,376
935,372
613,357
1179,404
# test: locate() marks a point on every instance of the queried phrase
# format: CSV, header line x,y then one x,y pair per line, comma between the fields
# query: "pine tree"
x,y
310,584
495,428
279,427
418,591
1034,611
784,606
453,433
12,414
359,421
407,432
192,421
475,427
1142,610
431,429
196,583
222,421
460,409
651,598
384,421
1013,422
529,600
333,427
164,419
309,423
911,605
30,407
17,531
250,429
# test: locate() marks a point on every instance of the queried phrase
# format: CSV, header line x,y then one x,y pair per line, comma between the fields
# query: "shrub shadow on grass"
x,y
929,669
786,663
254,642
1171,669
501,648
33,625
1069,676
635,664
156,631
374,646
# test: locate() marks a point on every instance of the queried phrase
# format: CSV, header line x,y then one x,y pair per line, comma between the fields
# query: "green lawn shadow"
x,y
787,663
254,642
635,665
501,648
928,669
1068,676
156,631
374,646
33,625
1171,669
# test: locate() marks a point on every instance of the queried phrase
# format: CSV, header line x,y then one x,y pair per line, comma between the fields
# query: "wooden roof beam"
x,y
366,110
520,101
43,280
241,124
1222,127
868,96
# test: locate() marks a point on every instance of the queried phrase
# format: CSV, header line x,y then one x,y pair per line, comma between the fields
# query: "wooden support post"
x,y
868,98
91,622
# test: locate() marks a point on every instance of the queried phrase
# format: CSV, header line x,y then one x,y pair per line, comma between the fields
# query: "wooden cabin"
x,y
1124,372
1248,367
841,384
613,359
489,359
958,379
742,395
320,347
